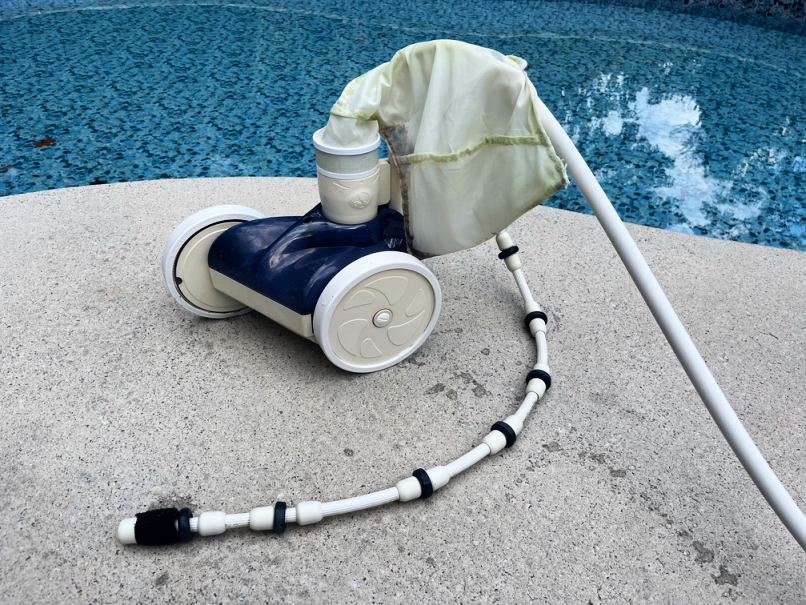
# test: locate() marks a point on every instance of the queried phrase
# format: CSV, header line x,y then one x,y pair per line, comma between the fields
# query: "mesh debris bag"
x,y
464,136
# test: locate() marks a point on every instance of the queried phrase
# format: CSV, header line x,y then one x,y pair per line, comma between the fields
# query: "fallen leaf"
x,y
4,168
44,143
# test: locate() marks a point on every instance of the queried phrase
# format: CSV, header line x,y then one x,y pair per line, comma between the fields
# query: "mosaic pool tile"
x,y
783,15
692,124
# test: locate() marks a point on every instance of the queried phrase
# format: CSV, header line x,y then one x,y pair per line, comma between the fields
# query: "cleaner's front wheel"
x,y
377,311
184,261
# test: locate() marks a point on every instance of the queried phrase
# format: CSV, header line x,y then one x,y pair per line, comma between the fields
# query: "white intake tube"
x,y
349,179
687,353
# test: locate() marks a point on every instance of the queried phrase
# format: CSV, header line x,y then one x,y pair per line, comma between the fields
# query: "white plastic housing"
x,y
504,240
349,201
346,164
531,306
496,441
536,386
513,262
309,513
439,477
409,489
212,523
349,180
537,325
515,423
262,518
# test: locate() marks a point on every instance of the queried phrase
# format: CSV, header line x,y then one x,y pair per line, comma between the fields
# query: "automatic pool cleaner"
x,y
471,148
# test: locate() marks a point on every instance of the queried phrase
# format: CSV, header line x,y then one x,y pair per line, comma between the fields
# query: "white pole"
x,y
693,363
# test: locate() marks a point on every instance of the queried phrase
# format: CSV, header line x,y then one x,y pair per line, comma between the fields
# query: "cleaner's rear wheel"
x,y
377,311
184,261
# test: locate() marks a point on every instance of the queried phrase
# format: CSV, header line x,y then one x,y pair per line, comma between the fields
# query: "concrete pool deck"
x,y
619,490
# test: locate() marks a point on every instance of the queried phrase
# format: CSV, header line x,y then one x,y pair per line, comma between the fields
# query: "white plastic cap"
x,y
309,512
531,307
126,531
261,518
513,262
537,325
536,386
212,523
496,441
515,423
439,477
504,240
409,489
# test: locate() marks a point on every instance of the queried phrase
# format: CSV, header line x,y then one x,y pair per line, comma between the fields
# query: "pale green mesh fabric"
x,y
462,127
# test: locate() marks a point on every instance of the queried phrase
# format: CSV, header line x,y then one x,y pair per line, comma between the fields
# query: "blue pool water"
x,y
690,123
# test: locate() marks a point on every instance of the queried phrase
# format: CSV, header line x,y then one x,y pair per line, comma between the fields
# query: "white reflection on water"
x,y
612,123
672,126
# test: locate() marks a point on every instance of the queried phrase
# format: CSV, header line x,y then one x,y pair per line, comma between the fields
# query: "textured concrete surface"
x,y
619,490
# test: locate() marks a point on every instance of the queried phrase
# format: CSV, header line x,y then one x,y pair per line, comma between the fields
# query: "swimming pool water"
x,y
691,124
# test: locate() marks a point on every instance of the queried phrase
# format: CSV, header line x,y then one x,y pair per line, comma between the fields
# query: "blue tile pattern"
x,y
691,123
783,15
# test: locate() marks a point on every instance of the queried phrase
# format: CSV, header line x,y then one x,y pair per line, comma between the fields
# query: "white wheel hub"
x,y
377,311
184,261
382,318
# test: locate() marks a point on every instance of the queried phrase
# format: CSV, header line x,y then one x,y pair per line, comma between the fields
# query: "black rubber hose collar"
x,y
425,483
535,315
506,430
540,374
279,518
